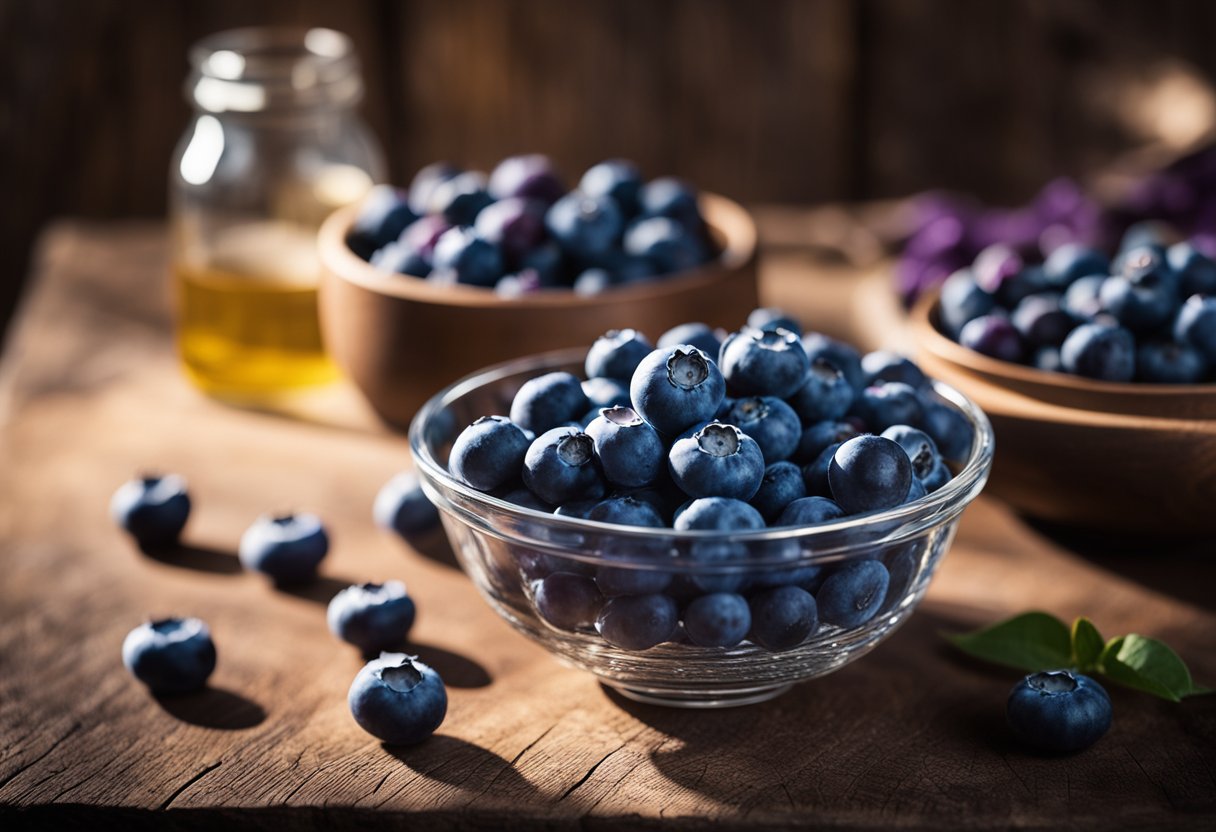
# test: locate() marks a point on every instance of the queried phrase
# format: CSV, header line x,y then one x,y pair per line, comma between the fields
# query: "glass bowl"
x,y
507,549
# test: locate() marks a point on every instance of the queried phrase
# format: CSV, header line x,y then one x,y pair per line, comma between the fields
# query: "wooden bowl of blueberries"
x,y
1099,375
460,270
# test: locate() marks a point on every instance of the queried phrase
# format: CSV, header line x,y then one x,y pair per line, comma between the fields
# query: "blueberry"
x,y
1048,360
1072,261
770,317
560,467
903,565
631,452
810,511
1152,234
702,336
1195,326
383,215
1140,305
526,499
170,655
720,619
460,199
995,266
467,258
616,354
768,420
719,514
853,594
426,181
1196,271
606,392
489,453
782,484
402,507
994,336
1029,281
825,395
1042,321
568,601
398,699
638,622
783,617
615,178
869,473
1146,266
716,460
962,300
1101,351
920,448
764,363
917,490
547,401
666,243
815,473
285,547
152,509
1058,711
841,355
883,367
399,258
372,617
670,197
1083,299
949,429
935,479
525,282
815,438
549,264
593,282
1169,363
531,176
514,226
585,226
675,387
889,403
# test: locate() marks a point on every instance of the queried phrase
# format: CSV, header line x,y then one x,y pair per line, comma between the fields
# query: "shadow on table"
x,y
214,707
320,590
198,558
434,545
913,685
460,763
1182,568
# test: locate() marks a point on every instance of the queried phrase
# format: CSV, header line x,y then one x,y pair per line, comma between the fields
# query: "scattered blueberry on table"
x,y
402,507
398,699
1058,711
170,655
152,509
710,436
286,547
372,616
521,231
1147,314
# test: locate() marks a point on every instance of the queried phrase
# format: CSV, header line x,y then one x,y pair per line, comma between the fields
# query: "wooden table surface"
x,y
911,736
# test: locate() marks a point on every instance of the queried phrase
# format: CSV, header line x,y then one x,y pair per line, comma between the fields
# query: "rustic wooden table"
x,y
912,736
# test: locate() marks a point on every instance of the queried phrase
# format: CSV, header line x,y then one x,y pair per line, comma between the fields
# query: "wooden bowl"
x,y
401,339
1105,456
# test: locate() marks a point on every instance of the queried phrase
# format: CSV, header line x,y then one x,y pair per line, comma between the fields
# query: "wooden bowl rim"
x,y
925,316
727,220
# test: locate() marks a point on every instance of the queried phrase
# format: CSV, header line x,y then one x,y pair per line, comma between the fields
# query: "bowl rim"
x,y
903,521
926,323
729,221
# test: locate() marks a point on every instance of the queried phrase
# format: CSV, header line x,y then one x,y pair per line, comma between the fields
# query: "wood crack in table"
x,y
910,737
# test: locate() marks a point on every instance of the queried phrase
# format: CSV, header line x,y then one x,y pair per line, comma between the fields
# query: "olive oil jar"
x,y
275,145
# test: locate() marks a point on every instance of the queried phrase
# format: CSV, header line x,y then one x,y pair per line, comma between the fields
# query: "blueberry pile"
x,y
520,231
1148,314
394,697
762,428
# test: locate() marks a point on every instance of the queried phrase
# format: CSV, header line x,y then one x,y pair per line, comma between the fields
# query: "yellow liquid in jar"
x,y
247,321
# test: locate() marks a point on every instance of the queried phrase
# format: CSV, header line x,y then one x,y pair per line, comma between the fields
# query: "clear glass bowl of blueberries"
x,y
704,520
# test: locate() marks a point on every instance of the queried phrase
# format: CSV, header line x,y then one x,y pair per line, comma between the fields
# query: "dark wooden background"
x,y
766,100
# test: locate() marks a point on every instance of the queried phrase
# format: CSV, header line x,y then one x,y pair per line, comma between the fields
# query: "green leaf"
x,y
1087,645
1030,641
1148,665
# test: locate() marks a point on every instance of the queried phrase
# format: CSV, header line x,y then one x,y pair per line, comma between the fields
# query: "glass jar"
x,y
275,145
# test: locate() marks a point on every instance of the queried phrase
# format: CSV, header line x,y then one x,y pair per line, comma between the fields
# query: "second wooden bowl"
x,y
1110,457
401,339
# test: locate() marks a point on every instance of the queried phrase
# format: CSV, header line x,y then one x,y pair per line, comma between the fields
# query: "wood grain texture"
x,y
911,736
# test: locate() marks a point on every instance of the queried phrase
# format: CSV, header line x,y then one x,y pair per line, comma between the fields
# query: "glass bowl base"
x,y
701,699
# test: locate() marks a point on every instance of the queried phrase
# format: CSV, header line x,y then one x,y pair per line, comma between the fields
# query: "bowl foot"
x,y
702,699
